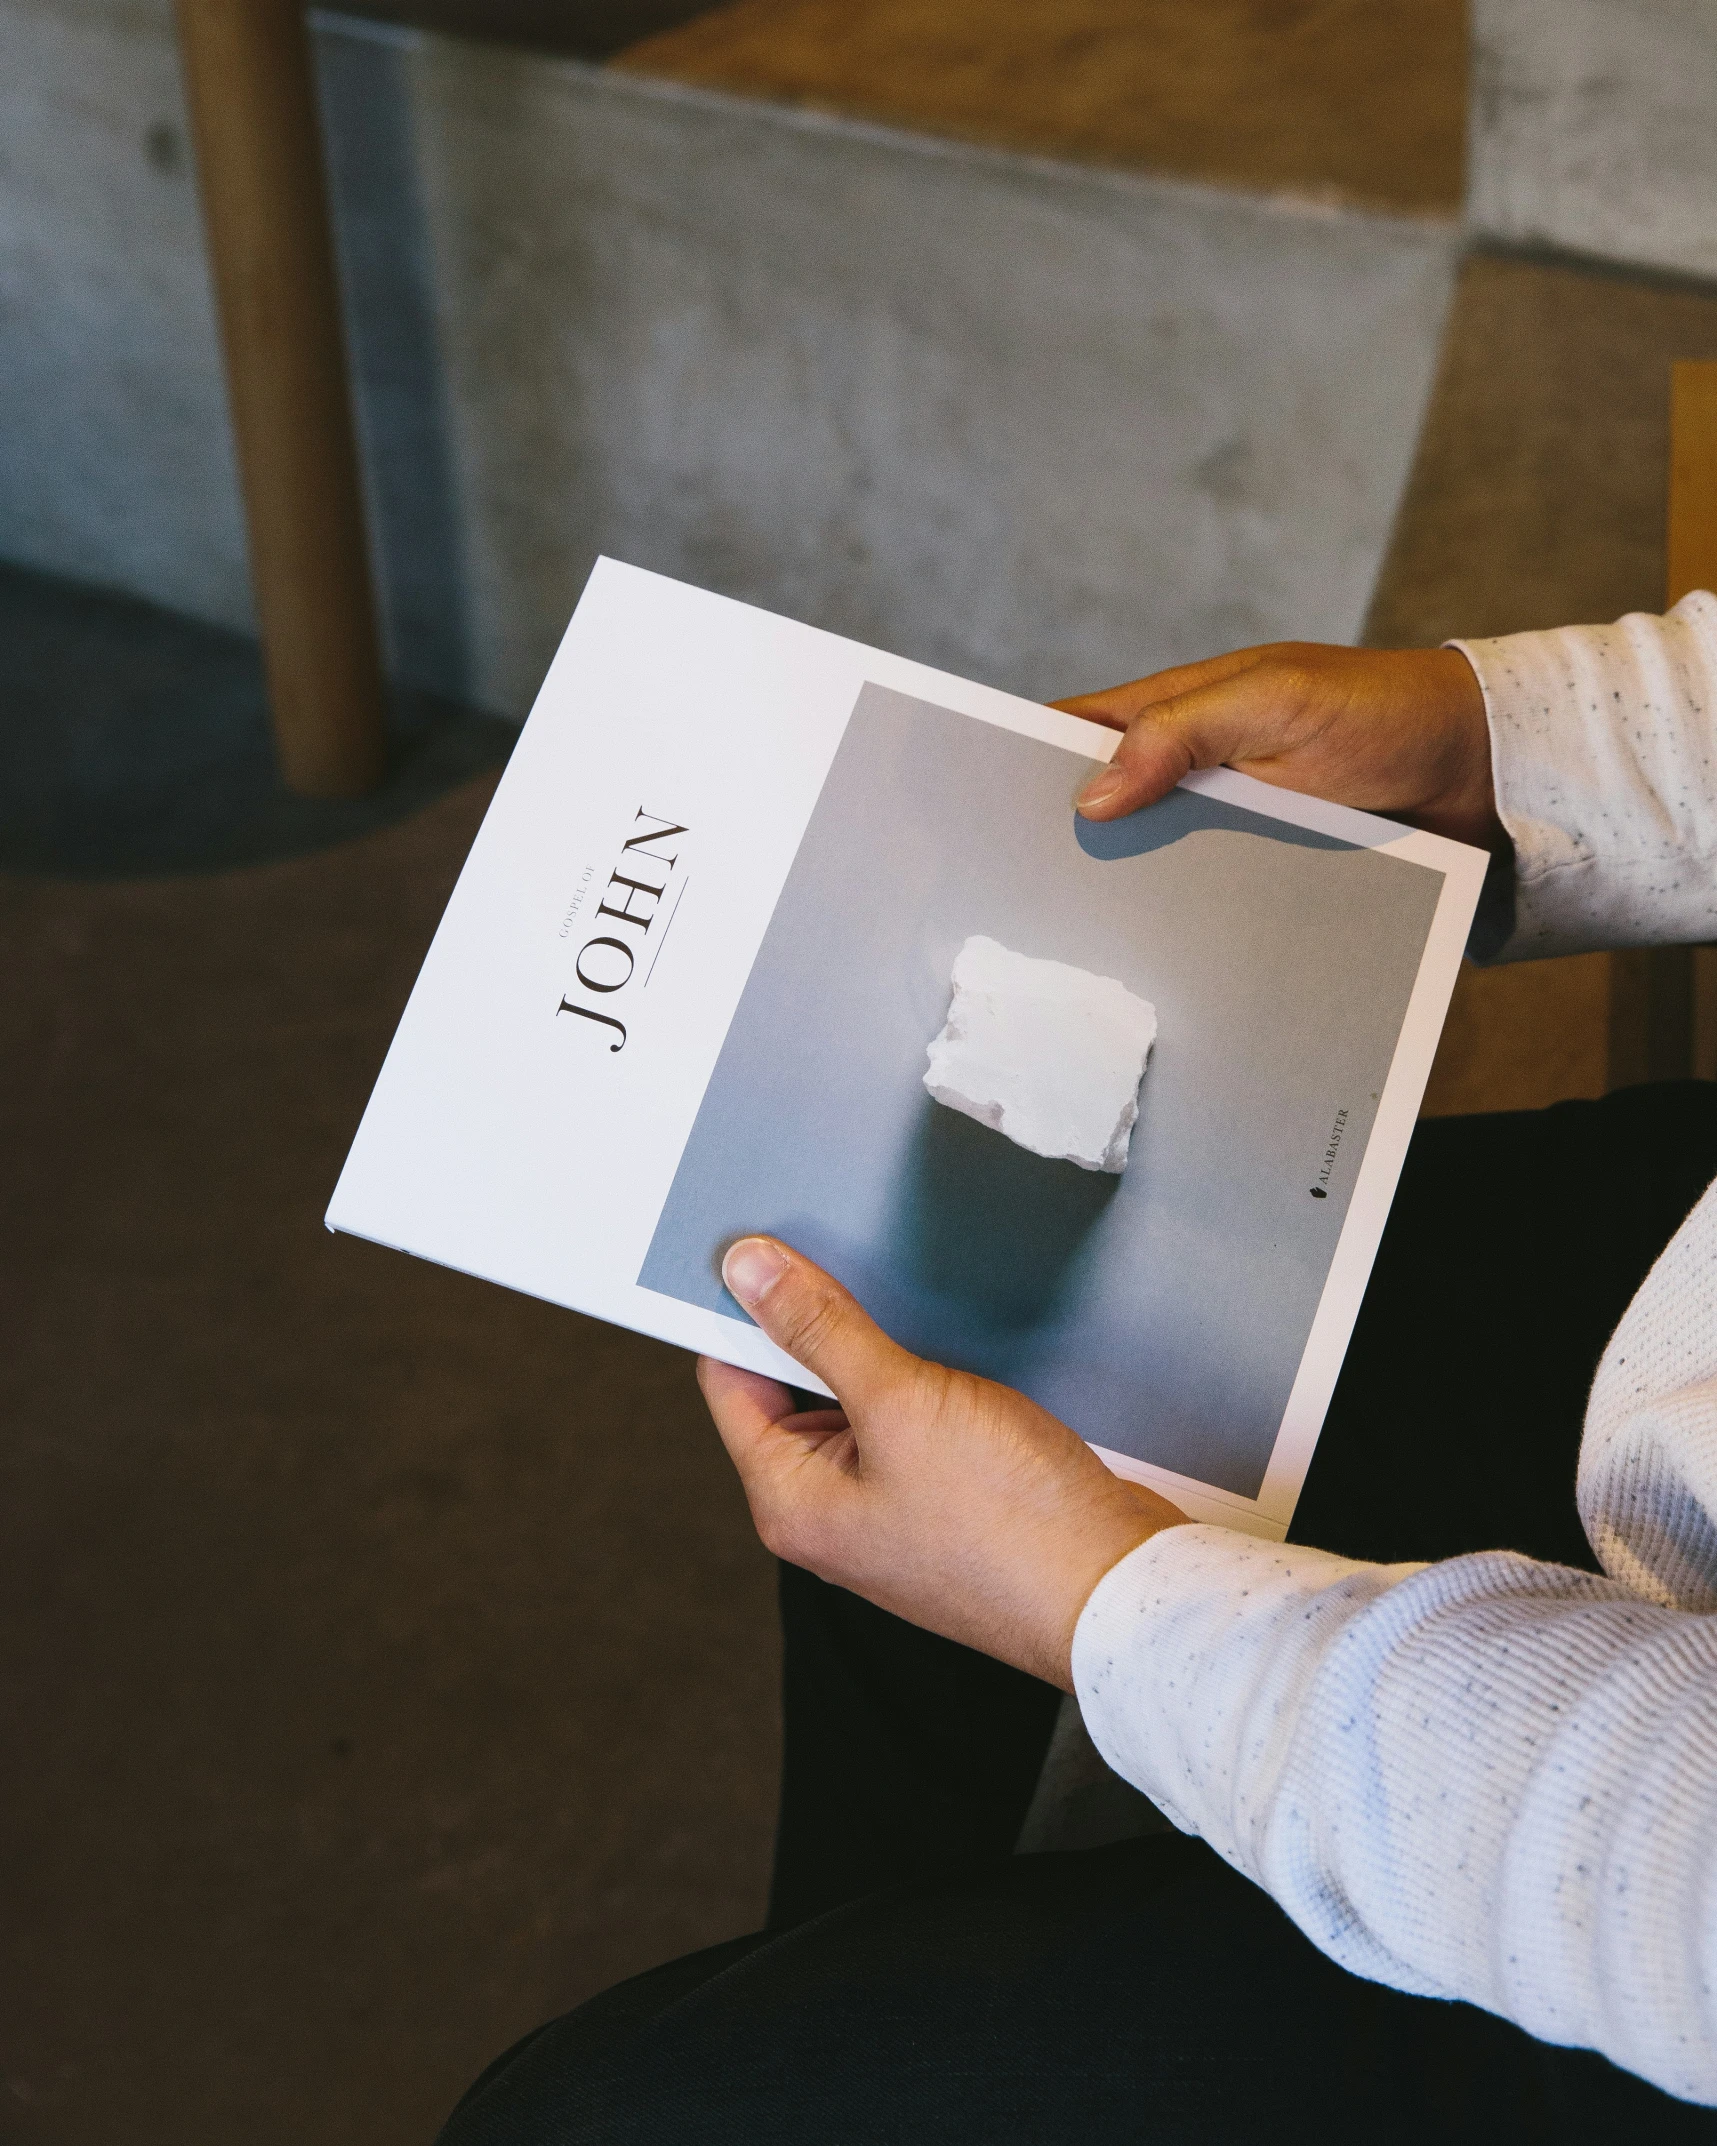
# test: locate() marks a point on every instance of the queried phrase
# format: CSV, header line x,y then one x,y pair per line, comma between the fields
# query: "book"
x,y
686,987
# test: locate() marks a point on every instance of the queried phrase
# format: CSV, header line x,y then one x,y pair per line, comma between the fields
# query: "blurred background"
x,y
387,1663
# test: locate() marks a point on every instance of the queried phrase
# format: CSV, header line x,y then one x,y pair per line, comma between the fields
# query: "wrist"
x,y
1465,806
1099,1555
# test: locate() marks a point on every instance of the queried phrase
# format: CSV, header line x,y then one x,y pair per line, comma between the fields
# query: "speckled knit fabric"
x,y
1494,1779
1604,742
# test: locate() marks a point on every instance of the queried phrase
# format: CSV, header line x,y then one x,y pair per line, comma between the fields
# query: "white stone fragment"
x,y
1045,1053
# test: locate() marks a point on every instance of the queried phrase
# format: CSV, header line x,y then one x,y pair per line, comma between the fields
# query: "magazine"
x,y
687,986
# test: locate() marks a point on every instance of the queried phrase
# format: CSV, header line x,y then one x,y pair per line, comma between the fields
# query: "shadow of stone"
x,y
990,1227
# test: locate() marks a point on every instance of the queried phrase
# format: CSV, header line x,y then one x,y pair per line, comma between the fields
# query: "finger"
x,y
797,1489
1146,765
1117,705
746,1396
756,1416
1248,717
758,1421
808,1313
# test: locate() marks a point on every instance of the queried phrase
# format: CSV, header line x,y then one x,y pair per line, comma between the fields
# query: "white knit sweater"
x,y
1495,1779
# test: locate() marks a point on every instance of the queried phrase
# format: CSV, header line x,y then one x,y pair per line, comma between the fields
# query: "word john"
x,y
633,899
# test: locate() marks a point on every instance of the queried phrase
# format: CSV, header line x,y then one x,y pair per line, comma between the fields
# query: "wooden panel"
x,y
1692,478
1337,99
1523,1036
587,29
1705,1012
1663,1002
1651,1015
1661,999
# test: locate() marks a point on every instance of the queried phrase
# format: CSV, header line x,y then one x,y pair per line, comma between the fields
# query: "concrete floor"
x,y
387,1660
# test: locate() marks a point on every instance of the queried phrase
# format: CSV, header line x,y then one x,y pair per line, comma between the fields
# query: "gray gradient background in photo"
x,y
1162,1313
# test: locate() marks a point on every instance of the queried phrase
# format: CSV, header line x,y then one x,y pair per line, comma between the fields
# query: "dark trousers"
x,y
920,1981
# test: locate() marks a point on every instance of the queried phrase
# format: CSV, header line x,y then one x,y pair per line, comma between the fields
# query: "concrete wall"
x,y
115,460
1594,127
1039,424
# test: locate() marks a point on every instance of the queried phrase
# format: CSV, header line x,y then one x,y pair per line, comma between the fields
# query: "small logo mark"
x,y
1318,1193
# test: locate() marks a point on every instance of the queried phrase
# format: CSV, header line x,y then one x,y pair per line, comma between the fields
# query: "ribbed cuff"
x,y
1175,1644
1603,740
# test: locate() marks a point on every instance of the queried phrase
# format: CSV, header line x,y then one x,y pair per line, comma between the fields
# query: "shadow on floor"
x,y
137,742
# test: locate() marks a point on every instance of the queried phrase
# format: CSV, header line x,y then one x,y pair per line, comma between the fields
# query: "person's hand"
x,y
953,1502
1399,731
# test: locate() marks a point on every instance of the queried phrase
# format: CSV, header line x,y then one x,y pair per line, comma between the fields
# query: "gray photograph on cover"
x,y
1163,1312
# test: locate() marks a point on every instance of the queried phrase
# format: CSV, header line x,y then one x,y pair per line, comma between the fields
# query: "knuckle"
x,y
1291,674
810,1318
932,1384
914,1386
1153,752
1298,671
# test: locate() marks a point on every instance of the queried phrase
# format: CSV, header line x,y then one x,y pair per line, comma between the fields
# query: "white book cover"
x,y
686,986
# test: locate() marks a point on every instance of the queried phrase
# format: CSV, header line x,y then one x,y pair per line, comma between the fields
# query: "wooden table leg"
x,y
259,157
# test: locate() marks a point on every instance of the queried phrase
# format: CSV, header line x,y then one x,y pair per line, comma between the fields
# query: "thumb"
x,y
1205,728
808,1313
1205,715
1147,764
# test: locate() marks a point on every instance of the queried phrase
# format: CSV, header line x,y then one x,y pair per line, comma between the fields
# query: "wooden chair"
x,y
252,100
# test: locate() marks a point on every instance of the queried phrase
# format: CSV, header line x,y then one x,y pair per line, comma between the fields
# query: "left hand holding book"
x,y
948,1499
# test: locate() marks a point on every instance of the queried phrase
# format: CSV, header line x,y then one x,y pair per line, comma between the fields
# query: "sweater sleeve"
x,y
1604,748
1488,1779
